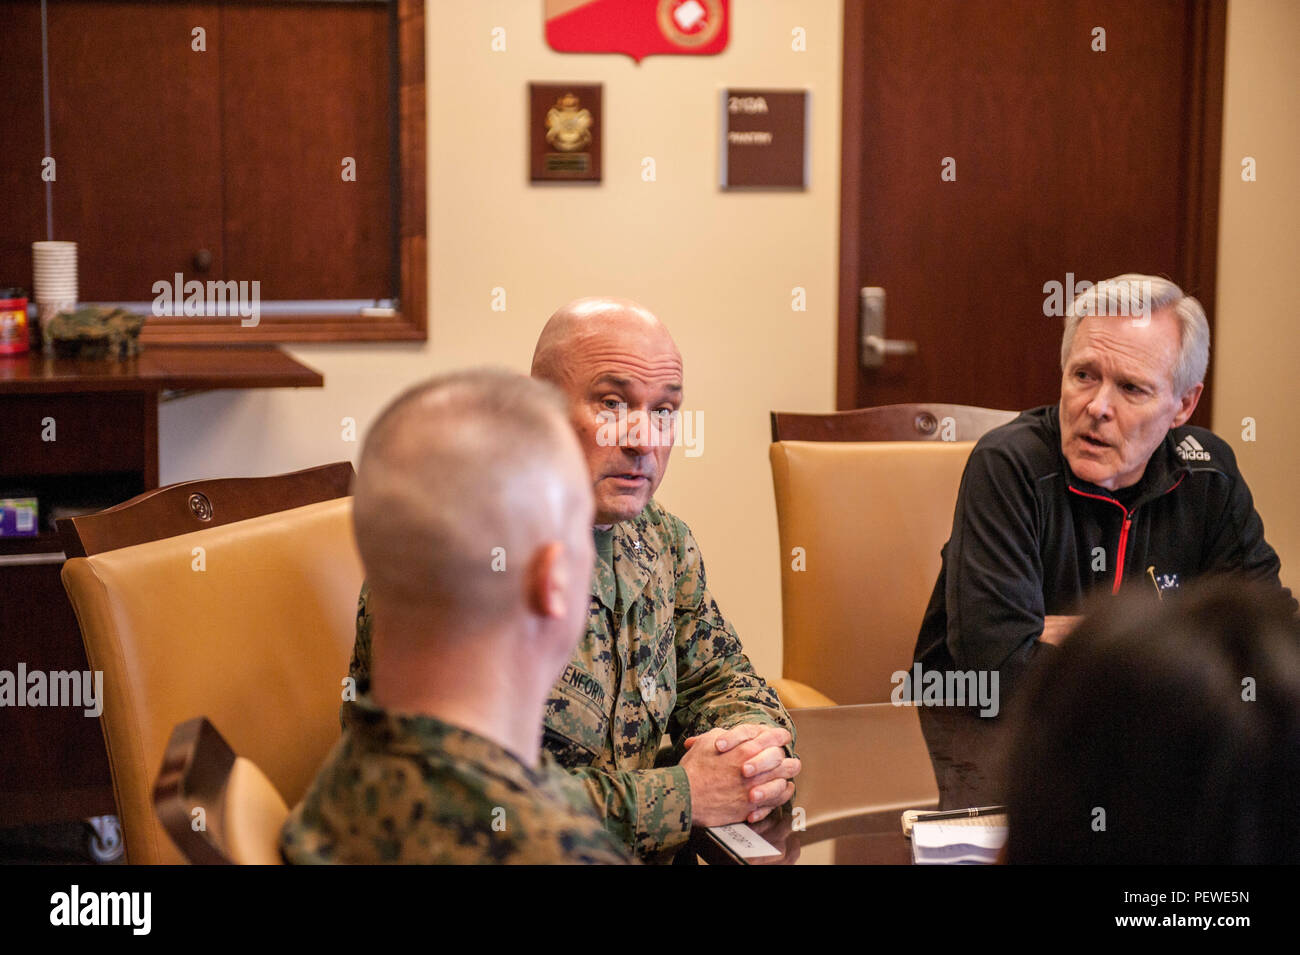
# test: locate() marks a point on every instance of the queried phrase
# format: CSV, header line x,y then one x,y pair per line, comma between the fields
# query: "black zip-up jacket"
x,y
1030,540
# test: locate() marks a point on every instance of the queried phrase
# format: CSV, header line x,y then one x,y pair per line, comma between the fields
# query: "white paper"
x,y
745,842
933,834
937,843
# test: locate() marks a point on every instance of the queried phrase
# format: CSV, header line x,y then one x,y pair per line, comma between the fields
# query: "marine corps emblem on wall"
x,y
690,23
639,28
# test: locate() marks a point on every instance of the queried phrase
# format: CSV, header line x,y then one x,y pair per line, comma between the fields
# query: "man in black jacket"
x,y
1109,489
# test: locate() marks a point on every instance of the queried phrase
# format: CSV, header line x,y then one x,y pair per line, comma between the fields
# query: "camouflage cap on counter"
x,y
94,332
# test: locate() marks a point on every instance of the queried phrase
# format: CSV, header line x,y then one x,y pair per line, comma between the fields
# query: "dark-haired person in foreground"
x,y
1109,489
1163,733
473,517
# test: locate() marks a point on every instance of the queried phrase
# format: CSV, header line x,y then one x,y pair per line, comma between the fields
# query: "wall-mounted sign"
x,y
638,27
564,131
764,139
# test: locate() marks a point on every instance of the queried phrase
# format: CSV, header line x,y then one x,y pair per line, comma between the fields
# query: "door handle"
x,y
873,346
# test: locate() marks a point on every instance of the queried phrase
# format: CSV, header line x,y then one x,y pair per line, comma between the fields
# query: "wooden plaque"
x,y
764,139
564,131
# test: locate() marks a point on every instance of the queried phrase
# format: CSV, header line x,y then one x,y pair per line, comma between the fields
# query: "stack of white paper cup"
x,y
54,276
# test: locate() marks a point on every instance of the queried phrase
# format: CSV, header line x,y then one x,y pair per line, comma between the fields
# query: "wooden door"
x,y
1069,160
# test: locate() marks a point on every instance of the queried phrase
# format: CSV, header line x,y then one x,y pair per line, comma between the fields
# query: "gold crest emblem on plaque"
x,y
564,131
568,124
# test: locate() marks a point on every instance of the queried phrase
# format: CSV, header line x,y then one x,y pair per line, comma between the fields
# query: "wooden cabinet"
x,y
225,163
85,434
137,144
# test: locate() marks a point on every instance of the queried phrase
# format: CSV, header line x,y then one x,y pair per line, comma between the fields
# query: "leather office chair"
x,y
859,761
922,421
870,517
249,621
218,808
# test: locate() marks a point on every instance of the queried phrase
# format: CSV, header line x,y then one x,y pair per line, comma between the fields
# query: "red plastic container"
x,y
13,323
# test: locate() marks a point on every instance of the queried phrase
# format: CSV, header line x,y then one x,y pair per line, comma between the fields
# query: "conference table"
x,y
862,766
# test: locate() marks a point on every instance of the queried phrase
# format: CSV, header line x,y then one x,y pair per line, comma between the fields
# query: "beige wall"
x,y
718,268
1257,347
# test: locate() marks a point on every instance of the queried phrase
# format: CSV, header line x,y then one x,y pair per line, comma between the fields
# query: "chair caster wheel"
x,y
104,839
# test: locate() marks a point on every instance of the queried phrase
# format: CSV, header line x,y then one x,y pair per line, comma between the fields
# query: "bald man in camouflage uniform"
x,y
441,759
658,657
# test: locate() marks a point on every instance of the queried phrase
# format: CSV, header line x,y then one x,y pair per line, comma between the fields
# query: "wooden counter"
x,y
83,433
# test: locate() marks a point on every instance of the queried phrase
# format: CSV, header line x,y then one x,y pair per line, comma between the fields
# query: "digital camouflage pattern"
x,y
412,789
94,332
657,657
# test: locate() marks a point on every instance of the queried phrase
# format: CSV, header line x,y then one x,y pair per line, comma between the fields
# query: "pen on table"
x,y
913,816
922,816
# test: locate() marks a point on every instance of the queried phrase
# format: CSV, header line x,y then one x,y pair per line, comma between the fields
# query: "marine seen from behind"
x,y
473,514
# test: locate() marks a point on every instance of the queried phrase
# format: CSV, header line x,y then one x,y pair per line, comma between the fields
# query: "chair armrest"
x,y
196,768
795,695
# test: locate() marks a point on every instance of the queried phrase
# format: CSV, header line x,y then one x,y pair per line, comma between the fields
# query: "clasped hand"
x,y
738,774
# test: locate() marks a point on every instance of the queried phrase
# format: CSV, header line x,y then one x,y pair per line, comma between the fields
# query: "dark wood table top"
x,y
862,766
158,368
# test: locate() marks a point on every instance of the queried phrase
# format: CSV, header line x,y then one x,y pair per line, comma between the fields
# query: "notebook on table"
x,y
974,837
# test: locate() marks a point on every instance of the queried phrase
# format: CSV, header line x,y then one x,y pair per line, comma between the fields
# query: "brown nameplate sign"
x,y
564,131
764,139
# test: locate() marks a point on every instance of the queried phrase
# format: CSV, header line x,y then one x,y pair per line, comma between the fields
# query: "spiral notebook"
x,y
969,840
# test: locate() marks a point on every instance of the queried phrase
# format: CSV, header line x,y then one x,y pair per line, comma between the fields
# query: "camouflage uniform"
x,y
407,788
658,657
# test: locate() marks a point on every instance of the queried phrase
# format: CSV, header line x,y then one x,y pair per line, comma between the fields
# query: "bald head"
x,y
622,375
453,469
612,322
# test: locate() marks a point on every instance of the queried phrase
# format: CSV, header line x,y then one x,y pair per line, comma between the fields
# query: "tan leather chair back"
x,y
871,518
257,641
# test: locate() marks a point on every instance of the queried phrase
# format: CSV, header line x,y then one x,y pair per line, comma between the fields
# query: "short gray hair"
x,y
1140,295
455,466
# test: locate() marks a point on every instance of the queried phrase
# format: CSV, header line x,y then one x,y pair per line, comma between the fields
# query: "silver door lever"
x,y
873,346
